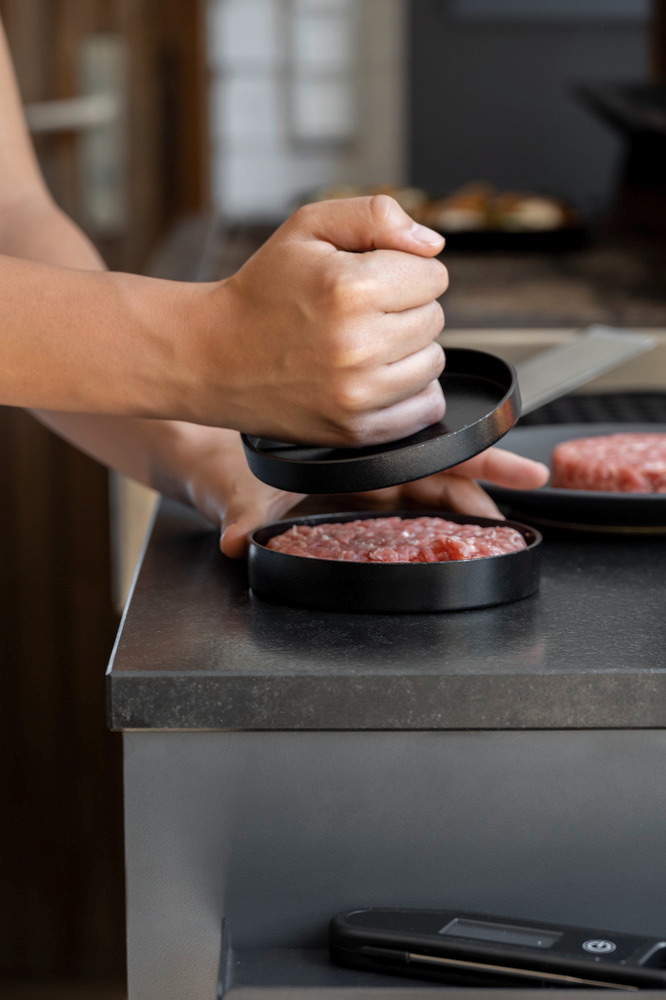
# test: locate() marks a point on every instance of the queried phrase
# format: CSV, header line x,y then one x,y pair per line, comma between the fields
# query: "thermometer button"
x,y
597,946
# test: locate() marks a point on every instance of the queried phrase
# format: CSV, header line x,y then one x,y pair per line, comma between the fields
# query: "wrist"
x,y
162,334
186,458
192,384
224,333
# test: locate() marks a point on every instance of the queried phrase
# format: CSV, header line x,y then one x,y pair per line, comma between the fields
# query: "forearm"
x,y
162,454
154,452
34,228
77,340
99,343
72,339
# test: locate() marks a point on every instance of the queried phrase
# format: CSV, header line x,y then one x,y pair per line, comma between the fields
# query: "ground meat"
x,y
397,540
616,463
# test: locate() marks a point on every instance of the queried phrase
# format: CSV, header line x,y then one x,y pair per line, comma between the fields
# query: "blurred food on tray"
x,y
474,208
412,199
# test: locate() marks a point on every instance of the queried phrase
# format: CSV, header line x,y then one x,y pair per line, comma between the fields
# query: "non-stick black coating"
x,y
586,509
332,585
482,404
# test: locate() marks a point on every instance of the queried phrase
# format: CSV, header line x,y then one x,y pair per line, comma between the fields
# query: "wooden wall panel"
x,y
61,864
168,169
658,42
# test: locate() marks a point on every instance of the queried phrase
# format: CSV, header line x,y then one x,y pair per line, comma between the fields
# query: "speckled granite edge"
x,y
562,701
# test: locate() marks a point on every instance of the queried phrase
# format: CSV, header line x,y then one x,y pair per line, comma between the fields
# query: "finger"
x,y
408,332
244,517
452,492
391,338
497,465
399,381
400,280
404,418
374,222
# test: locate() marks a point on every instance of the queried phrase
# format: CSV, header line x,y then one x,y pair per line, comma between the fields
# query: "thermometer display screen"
x,y
500,933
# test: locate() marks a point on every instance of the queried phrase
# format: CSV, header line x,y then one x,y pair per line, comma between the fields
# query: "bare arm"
x,y
70,339
162,454
205,466
338,344
311,338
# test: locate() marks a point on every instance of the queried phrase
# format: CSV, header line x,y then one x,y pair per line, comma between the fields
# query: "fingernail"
x,y
490,510
426,236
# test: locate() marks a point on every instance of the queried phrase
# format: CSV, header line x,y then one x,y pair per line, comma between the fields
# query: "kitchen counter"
x,y
203,653
283,765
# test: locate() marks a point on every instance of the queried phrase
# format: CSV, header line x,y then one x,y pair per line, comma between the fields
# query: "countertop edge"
x,y
385,702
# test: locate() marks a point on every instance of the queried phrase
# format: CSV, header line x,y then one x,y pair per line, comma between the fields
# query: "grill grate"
x,y
603,407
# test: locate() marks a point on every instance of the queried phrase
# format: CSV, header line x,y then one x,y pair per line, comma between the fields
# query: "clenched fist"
x,y
327,334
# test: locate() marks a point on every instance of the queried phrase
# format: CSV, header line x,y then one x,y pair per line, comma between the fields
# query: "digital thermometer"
x,y
480,949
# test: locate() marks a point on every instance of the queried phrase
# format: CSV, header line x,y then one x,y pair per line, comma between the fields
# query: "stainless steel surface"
x,y
559,370
504,970
276,832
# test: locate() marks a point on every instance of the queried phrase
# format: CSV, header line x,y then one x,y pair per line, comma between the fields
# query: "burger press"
x,y
335,585
482,404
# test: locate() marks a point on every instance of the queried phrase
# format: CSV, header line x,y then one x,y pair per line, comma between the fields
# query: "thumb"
x,y
243,517
234,538
376,222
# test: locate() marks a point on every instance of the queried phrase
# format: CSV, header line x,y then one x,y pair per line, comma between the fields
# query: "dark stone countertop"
x,y
197,650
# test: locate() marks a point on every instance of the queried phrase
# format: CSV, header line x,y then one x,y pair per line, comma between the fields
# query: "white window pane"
x,y
325,6
249,186
247,108
322,110
324,44
245,32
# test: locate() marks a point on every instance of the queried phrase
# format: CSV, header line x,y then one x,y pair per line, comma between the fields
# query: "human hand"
x,y
456,489
329,343
228,494
212,474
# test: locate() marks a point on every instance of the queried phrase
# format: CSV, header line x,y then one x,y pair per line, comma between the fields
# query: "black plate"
x,y
585,509
482,404
408,588
502,240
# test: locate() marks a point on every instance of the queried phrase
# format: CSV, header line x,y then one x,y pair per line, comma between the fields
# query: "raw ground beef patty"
x,y
616,463
397,540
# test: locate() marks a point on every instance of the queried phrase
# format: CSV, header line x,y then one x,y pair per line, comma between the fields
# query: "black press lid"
x,y
482,404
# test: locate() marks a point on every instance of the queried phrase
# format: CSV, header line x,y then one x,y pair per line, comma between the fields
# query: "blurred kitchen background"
x,y
178,135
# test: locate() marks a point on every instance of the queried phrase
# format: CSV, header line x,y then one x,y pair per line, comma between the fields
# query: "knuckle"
x,y
334,293
305,214
344,351
360,290
356,433
383,209
343,293
350,399
351,432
